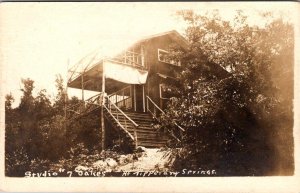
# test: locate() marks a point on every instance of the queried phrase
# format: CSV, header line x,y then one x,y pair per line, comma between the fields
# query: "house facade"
x,y
132,87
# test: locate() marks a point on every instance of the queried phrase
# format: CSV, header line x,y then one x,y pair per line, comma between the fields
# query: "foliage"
x,y
16,162
36,131
234,96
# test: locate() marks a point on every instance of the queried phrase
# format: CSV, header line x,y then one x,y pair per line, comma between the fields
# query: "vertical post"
x,y
143,97
102,110
135,138
131,96
134,97
147,100
142,55
123,93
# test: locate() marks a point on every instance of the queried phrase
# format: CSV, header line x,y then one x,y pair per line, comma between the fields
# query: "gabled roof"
x,y
173,34
91,63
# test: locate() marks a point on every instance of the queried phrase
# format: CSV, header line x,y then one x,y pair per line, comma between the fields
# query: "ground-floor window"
x,y
164,95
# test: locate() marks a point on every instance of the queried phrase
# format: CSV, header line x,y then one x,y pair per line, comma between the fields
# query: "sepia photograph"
x,y
103,90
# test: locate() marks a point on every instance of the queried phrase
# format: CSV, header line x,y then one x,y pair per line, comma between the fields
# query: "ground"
x,y
143,160
151,159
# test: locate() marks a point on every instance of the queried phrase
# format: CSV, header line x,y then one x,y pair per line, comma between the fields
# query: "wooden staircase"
x,y
137,127
147,135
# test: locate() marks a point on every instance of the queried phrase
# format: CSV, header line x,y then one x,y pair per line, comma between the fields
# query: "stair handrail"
x,y
118,122
157,107
134,123
135,139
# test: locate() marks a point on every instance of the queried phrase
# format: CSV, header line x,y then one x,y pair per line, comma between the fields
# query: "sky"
x,y
40,40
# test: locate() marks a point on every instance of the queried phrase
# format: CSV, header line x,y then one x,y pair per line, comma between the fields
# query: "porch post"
x,y
142,56
144,98
102,109
134,97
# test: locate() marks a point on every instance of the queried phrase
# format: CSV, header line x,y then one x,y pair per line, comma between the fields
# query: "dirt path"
x,y
152,159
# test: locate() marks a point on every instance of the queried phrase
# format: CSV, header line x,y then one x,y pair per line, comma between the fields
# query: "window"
x,y
164,91
163,56
164,95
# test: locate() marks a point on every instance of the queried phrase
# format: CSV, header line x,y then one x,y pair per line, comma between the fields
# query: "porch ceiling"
x,y
92,80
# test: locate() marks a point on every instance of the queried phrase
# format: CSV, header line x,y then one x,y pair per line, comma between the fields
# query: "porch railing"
x,y
84,107
122,98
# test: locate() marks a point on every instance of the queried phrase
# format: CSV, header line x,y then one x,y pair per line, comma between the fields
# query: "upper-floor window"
x,y
163,56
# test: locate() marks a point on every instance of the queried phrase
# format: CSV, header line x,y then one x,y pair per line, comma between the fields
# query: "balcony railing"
x,y
131,59
128,58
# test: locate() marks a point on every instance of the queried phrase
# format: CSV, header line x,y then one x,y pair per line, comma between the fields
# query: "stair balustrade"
x,y
156,112
116,113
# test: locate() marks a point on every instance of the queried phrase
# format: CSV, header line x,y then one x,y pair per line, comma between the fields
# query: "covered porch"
x,y
122,80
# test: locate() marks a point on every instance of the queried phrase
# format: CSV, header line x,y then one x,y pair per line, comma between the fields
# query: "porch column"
x,y
134,97
142,56
144,109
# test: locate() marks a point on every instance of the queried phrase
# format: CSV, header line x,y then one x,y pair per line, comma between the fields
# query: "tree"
x,y
36,131
54,126
60,99
229,102
9,99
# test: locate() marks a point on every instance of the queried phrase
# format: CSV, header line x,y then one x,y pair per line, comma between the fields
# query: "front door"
x,y
139,97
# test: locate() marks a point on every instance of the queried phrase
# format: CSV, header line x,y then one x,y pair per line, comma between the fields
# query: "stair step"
x,y
146,131
135,113
152,141
146,134
151,144
151,136
134,118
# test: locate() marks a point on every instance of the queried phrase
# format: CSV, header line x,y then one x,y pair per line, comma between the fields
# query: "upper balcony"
x,y
125,68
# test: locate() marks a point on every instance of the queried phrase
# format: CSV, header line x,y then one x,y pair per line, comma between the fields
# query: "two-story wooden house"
x,y
132,88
